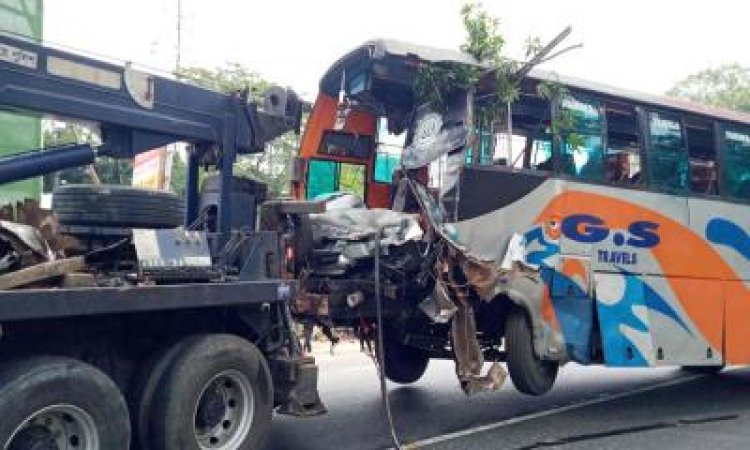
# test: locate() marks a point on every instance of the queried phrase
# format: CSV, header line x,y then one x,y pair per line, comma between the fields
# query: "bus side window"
x,y
388,153
667,160
583,159
530,145
702,157
736,163
622,161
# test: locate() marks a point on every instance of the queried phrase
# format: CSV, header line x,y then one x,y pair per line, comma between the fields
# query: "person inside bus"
x,y
621,170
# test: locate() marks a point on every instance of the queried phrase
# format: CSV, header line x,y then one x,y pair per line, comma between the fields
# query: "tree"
x,y
106,170
726,86
233,78
270,167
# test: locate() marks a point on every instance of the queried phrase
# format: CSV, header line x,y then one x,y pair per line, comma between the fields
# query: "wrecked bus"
x,y
627,248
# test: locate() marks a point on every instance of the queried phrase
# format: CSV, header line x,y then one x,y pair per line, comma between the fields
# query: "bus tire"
x,y
530,375
144,387
55,402
217,393
403,364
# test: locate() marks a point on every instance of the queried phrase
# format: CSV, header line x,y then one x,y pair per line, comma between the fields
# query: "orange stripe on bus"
x,y
681,252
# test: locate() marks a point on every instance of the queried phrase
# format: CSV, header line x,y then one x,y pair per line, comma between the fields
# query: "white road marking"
x,y
548,412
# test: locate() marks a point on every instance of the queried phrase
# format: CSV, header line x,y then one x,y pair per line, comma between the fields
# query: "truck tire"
x,y
144,387
403,364
61,400
116,206
530,375
217,394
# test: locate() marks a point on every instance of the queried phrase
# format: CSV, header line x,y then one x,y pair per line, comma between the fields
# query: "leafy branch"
x,y
485,44
562,123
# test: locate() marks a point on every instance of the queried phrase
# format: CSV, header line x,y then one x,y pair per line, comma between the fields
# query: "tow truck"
x,y
131,318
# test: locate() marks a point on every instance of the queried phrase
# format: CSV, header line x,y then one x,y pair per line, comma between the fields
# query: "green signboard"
x,y
19,132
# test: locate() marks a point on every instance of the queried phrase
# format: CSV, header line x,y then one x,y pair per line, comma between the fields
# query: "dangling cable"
x,y
381,366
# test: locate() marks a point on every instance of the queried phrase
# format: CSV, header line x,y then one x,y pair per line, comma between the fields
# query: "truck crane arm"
x,y
137,112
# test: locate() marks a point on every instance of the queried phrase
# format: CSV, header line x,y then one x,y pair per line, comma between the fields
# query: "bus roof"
x,y
405,54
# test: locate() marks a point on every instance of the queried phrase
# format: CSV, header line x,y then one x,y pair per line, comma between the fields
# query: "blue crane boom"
x,y
136,112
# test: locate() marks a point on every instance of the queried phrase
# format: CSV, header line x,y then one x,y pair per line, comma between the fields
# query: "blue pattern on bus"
x,y
612,316
538,257
574,309
724,232
637,292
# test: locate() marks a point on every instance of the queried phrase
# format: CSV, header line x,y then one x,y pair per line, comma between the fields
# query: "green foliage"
x,y
485,44
483,39
727,86
434,83
232,78
563,121
270,167
109,170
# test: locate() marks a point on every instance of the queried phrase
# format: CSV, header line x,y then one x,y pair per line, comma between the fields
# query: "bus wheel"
x,y
403,364
217,394
53,402
529,374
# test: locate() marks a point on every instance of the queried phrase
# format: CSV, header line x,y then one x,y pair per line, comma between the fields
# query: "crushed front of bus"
x,y
401,170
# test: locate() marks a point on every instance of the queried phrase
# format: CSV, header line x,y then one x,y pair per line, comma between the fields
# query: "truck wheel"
x,y
217,394
143,390
530,374
403,364
53,402
116,206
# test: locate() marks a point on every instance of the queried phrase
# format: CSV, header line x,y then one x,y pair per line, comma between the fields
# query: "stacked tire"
x,y
99,205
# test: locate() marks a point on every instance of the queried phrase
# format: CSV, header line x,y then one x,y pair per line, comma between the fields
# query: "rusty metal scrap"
x,y
466,350
310,304
41,272
45,221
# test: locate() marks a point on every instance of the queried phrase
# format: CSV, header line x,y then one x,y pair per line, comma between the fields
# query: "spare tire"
x,y
116,206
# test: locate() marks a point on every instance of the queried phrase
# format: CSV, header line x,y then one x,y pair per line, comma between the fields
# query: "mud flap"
x,y
297,383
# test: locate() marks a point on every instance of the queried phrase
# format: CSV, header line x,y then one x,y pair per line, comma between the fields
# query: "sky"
x,y
644,45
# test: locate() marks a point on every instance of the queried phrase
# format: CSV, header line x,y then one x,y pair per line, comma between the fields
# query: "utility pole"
x,y
179,35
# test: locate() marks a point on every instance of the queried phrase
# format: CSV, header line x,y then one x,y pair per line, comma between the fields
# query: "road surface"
x,y
589,407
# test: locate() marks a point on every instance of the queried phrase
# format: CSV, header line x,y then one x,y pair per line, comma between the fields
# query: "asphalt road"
x,y
589,407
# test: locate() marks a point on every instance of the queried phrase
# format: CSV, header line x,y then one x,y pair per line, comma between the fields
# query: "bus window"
x,y
325,177
667,160
622,161
388,154
484,144
385,165
737,163
702,156
584,161
352,179
530,145
321,177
